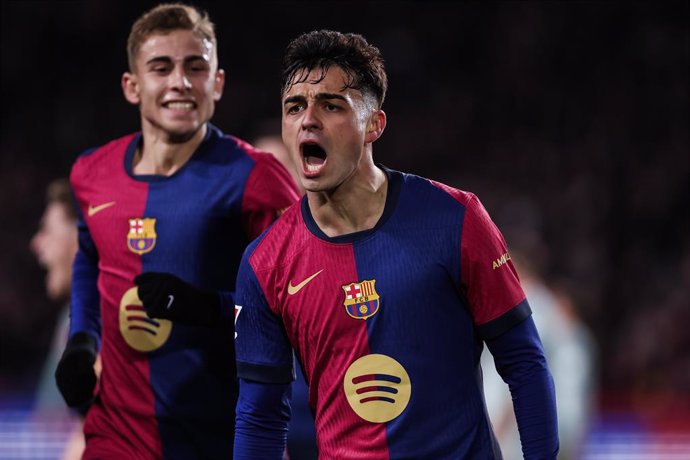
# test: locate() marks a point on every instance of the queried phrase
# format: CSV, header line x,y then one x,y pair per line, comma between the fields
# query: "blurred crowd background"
x,y
569,119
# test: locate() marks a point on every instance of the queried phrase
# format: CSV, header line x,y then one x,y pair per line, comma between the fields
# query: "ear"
x,y
130,88
218,84
375,127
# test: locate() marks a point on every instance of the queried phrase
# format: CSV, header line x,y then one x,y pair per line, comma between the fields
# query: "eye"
x,y
160,69
331,107
295,108
200,67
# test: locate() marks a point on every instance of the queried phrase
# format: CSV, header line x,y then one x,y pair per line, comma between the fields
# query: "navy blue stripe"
x,y
498,326
265,374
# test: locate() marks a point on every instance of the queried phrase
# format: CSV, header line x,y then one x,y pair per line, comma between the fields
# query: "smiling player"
x,y
165,214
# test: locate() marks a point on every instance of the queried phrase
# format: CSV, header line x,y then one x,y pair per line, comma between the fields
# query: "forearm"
x,y
535,412
85,313
521,362
263,412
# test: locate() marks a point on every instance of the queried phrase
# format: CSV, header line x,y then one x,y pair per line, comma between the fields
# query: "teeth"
x,y
180,105
312,168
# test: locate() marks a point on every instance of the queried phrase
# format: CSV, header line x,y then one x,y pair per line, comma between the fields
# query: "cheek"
x,y
149,90
208,88
288,129
63,245
352,136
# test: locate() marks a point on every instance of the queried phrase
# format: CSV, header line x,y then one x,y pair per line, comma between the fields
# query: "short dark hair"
x,y
165,18
59,191
322,49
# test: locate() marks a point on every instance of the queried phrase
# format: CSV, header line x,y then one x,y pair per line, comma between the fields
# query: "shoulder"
x,y
463,197
432,193
233,148
261,158
280,243
115,145
228,143
102,159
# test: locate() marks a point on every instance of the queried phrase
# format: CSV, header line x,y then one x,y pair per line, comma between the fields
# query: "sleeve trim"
x,y
265,374
498,326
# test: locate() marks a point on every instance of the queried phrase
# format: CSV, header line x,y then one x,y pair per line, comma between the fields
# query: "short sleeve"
x,y
487,273
264,353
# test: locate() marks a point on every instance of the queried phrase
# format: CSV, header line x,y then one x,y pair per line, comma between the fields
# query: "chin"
x,y
180,136
57,294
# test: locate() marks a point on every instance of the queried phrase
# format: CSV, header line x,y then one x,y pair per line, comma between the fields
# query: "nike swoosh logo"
x,y
292,290
171,299
96,209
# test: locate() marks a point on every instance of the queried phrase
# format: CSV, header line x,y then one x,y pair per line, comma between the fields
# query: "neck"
x,y
163,156
355,206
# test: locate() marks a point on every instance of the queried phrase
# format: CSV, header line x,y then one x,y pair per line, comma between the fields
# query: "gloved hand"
x,y
75,376
167,296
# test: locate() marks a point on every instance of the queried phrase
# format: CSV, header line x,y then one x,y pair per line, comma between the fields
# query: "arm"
x,y
75,375
85,313
520,361
263,413
265,366
503,317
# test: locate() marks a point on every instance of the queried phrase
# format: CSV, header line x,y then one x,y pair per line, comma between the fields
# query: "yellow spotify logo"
x,y
139,331
377,388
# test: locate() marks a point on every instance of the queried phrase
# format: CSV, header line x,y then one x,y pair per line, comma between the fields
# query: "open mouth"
x,y
314,157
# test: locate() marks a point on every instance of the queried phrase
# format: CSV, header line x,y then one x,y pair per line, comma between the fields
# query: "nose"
x,y
179,79
310,119
34,244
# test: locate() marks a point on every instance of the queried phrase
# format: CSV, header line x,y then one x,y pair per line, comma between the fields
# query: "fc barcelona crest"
x,y
361,299
142,235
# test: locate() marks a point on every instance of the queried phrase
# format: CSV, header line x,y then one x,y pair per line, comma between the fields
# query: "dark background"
x,y
568,119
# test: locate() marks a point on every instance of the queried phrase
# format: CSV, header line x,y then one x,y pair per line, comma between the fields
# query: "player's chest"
x,y
135,221
349,287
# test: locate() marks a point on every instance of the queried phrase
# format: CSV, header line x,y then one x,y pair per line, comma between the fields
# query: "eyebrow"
x,y
319,97
168,59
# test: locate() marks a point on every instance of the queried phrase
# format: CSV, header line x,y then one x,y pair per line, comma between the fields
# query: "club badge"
x,y
142,235
361,299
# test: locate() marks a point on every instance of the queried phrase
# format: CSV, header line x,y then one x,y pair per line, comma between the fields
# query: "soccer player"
x,y
164,216
386,285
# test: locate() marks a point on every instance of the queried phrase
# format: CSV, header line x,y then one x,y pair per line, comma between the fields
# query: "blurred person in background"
x,y
55,246
268,138
164,215
384,285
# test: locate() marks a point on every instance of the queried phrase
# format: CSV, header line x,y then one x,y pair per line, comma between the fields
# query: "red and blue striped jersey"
x,y
166,390
387,323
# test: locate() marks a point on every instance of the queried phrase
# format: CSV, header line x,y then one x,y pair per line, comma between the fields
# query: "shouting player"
x,y
386,285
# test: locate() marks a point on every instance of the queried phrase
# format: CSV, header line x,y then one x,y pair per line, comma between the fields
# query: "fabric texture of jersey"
x,y
166,390
388,323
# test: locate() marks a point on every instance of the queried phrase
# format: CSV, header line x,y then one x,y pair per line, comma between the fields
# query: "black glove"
x,y
167,296
75,376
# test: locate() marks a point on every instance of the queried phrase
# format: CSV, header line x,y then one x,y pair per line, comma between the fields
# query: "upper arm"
x,y
262,348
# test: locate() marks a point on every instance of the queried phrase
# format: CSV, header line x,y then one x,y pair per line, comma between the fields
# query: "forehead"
x,y
334,82
175,44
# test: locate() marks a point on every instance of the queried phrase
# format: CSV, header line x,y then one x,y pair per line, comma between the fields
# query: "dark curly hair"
x,y
322,49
